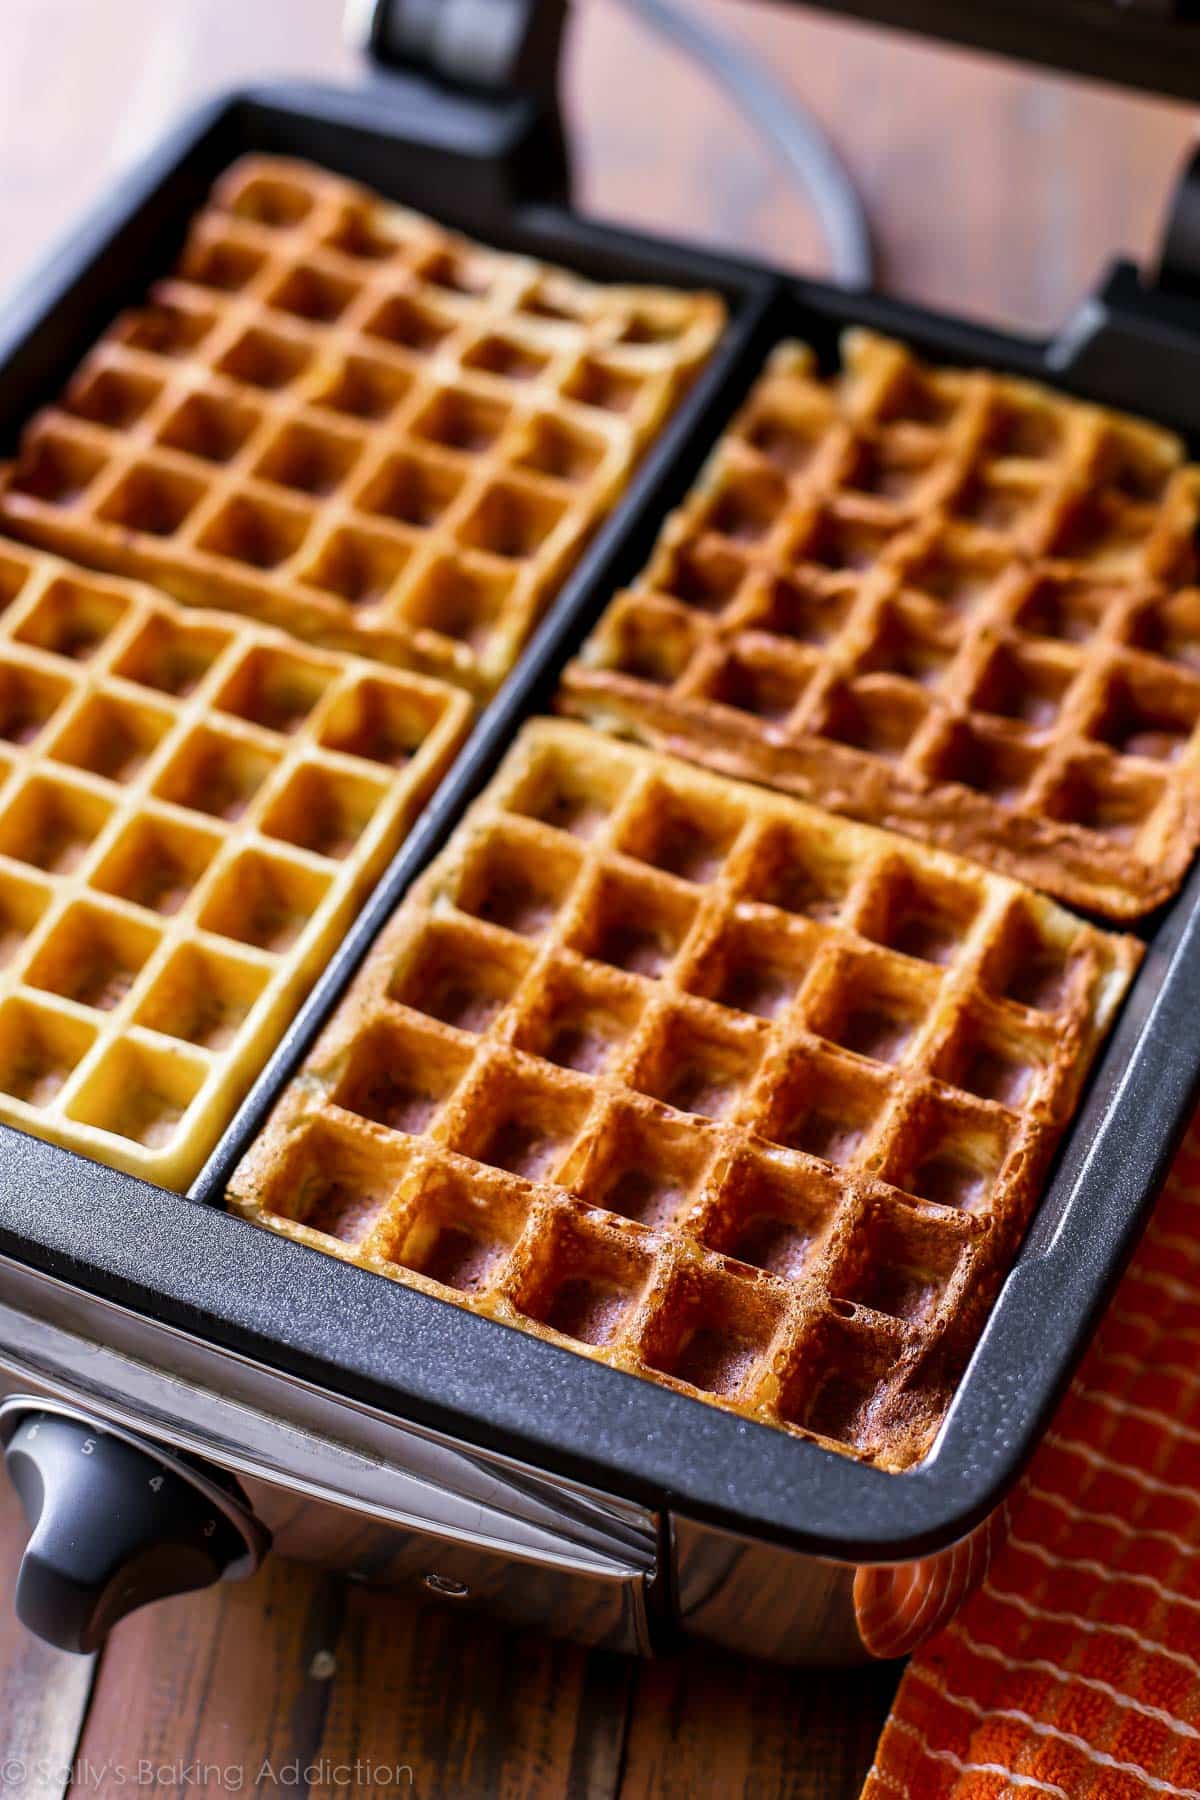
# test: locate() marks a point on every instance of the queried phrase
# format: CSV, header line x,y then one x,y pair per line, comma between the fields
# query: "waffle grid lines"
x,y
721,1090
350,423
948,603
702,1082
191,808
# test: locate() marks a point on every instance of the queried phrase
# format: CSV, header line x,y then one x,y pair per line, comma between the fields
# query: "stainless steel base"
x,y
339,1484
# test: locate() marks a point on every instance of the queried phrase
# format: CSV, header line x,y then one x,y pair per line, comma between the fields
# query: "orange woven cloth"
x,y
1075,1669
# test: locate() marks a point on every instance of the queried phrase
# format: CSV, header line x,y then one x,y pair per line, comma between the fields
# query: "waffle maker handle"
x,y
492,46
114,1523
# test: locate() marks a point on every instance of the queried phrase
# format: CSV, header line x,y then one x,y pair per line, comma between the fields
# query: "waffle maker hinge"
x,y
492,46
503,50
1136,342
1179,258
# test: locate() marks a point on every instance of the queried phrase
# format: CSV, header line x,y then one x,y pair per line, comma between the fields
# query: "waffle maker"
x,y
181,1394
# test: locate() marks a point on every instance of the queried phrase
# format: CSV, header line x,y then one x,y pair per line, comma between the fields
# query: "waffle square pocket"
x,y
947,602
193,806
347,422
732,1094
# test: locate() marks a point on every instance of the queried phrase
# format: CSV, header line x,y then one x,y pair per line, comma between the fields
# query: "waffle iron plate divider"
x,y
212,1274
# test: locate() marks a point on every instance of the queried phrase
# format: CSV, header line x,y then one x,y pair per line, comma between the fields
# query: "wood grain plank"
x,y
43,1692
78,106
220,1682
474,1709
297,1671
992,190
709,1723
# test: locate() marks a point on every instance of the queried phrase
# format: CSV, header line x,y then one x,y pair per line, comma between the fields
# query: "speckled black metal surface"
x,y
189,1264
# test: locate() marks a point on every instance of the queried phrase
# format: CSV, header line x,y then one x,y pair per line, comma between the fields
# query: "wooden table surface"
x,y
992,191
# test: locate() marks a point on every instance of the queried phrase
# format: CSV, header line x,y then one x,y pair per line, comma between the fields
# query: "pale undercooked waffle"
x,y
350,423
191,805
700,1081
946,602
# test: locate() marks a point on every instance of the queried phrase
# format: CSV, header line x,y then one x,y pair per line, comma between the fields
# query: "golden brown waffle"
x,y
702,1082
948,603
345,421
191,808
